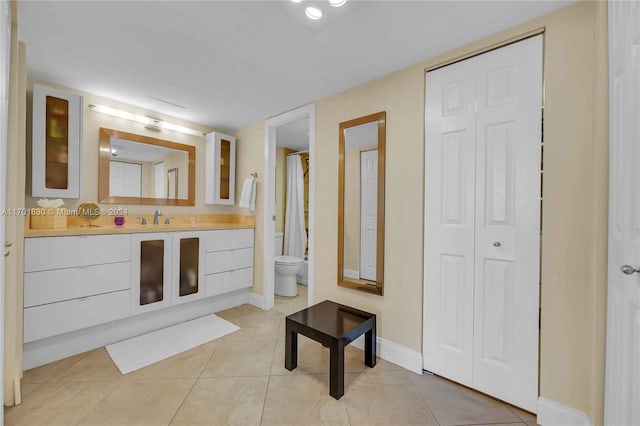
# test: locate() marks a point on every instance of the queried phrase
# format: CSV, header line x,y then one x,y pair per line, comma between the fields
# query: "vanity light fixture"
x,y
313,12
149,122
337,3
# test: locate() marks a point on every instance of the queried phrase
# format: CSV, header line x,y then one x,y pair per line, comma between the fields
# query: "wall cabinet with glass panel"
x,y
56,134
220,169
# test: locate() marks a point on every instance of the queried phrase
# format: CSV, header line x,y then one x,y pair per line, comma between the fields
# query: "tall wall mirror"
x,y
361,203
136,169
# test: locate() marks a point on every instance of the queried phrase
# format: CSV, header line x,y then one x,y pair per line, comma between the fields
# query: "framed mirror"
x,y
361,203
136,169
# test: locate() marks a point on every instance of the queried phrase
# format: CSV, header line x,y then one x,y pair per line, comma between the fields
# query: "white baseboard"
x,y
257,300
395,353
58,347
551,413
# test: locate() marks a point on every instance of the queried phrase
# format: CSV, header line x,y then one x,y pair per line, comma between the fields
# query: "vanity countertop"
x,y
104,225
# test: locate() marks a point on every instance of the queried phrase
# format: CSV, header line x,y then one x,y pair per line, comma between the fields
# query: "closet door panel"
x,y
449,221
508,154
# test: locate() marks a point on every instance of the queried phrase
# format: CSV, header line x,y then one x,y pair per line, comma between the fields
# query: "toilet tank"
x,y
277,248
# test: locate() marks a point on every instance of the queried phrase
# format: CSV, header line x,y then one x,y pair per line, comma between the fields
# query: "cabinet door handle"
x,y
8,244
6,253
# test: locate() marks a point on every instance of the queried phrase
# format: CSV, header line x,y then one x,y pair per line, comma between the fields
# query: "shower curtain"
x,y
295,234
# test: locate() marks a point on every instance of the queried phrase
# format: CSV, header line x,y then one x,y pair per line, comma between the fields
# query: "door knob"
x,y
6,253
628,269
497,244
8,244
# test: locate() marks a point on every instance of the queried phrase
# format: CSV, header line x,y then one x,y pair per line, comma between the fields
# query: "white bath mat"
x,y
140,351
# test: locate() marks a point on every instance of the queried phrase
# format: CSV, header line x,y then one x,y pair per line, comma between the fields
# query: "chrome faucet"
x,y
167,221
143,220
155,216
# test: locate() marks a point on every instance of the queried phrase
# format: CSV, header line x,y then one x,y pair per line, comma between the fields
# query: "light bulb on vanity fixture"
x,y
149,122
313,12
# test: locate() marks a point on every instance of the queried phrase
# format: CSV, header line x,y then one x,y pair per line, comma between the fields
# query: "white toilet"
x,y
286,268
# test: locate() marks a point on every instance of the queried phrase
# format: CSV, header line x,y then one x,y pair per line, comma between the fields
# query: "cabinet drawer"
x,y
220,261
71,283
229,281
46,253
228,239
63,317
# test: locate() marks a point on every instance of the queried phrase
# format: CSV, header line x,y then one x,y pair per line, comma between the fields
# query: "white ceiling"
x,y
233,63
294,135
136,151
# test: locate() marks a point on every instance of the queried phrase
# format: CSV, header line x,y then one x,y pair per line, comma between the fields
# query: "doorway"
x,y
288,134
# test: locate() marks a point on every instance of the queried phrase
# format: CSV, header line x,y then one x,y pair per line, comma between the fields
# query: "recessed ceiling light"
x,y
337,3
296,1
314,13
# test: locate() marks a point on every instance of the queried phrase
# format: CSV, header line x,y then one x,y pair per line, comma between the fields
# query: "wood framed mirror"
x,y
361,203
136,169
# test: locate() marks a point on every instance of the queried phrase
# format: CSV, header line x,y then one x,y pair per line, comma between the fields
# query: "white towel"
x,y
248,197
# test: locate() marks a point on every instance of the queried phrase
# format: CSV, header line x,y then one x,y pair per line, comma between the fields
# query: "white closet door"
x,y
622,380
449,221
368,213
507,254
482,221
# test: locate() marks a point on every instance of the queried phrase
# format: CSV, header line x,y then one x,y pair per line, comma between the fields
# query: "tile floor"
x,y
241,379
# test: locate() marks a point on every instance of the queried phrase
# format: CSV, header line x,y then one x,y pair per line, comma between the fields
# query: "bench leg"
x,y
291,350
336,369
370,347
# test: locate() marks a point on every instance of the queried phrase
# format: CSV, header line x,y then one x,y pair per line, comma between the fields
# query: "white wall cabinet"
x,y
220,169
56,143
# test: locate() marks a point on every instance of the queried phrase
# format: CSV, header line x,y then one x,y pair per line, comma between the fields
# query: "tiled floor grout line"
x,y
204,366
183,400
516,414
51,380
266,392
426,403
99,402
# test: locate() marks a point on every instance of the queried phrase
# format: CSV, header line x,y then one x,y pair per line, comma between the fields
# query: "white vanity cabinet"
x,y
220,169
75,282
151,255
56,143
188,266
167,268
229,261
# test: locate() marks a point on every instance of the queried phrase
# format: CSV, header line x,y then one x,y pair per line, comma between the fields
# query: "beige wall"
x,y
574,209
92,121
250,152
